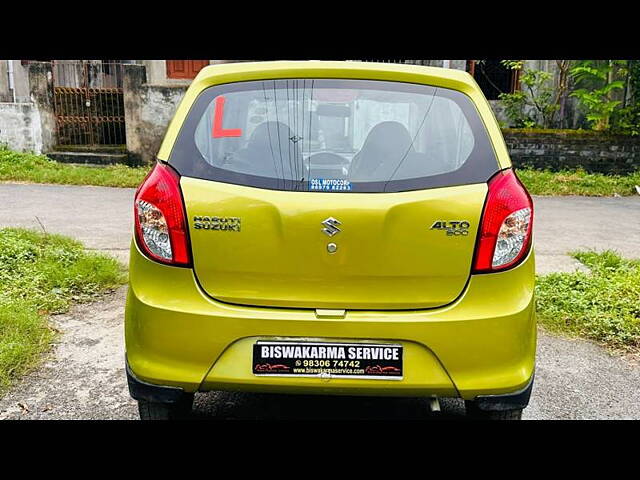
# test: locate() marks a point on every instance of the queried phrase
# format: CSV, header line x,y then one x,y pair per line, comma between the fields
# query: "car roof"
x,y
339,69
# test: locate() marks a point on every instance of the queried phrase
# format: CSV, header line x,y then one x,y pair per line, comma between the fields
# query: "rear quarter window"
x,y
334,135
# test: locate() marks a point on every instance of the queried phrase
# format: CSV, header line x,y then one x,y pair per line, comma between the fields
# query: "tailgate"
x,y
400,250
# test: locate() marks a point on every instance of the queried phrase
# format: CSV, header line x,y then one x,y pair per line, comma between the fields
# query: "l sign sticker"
x,y
218,115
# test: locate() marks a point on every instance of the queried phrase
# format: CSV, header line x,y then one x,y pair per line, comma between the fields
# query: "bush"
x,y
603,305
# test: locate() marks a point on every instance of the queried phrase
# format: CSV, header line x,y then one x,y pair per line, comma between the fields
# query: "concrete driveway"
x,y
563,224
83,377
100,217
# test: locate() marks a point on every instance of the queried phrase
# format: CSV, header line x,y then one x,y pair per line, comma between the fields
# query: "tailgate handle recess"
x,y
330,313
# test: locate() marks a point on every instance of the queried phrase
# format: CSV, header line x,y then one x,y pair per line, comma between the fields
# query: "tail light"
x,y
160,223
507,220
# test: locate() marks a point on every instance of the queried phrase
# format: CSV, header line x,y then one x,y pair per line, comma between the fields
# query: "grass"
x,y
42,274
578,182
603,305
28,167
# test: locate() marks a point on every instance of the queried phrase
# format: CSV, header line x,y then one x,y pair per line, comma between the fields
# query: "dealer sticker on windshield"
x,y
329,184
328,360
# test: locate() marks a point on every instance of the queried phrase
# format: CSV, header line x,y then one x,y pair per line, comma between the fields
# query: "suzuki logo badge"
x,y
331,226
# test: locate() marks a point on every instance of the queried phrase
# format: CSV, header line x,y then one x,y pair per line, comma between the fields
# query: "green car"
x,y
334,228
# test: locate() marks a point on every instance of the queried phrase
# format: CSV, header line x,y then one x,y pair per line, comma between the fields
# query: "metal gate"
x,y
89,102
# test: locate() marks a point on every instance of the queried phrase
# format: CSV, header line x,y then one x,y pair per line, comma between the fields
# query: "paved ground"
x,y
100,217
563,224
83,376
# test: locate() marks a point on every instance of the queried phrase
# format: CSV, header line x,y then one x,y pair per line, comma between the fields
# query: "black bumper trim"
x,y
508,401
141,390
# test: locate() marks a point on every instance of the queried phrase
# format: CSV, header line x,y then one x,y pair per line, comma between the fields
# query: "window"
x,y
354,135
493,78
185,68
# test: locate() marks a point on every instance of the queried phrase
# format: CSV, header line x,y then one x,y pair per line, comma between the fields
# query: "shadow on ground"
x,y
246,406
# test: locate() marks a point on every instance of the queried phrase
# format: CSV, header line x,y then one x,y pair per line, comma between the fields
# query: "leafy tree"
x,y
563,88
626,120
599,81
537,103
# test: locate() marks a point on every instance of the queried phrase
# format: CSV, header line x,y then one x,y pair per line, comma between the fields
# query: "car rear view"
x,y
332,228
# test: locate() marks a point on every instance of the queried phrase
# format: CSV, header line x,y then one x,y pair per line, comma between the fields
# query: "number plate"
x,y
339,360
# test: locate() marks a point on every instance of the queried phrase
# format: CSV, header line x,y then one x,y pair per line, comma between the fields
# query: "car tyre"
x,y
166,411
475,413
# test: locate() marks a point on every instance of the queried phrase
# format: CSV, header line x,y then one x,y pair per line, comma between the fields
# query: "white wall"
x,y
20,127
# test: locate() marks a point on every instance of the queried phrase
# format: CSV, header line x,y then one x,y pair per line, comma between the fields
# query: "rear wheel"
x,y
166,411
475,413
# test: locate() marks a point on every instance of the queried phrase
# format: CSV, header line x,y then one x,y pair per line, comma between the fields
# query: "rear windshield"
x,y
331,135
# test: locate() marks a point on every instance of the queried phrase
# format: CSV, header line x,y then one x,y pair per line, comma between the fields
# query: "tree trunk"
x,y
563,90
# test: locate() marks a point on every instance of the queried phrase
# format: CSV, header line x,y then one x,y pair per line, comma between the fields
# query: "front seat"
x,y
383,149
272,153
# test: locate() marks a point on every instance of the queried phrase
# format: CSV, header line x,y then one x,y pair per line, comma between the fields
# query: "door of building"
x,y
185,68
89,102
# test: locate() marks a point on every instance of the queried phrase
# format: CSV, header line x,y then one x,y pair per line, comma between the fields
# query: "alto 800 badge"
x,y
453,227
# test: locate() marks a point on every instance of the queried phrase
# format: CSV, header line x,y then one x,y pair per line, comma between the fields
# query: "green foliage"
x,y
600,86
513,64
597,105
626,120
634,82
603,305
534,106
23,337
28,167
578,182
42,274
599,80
514,105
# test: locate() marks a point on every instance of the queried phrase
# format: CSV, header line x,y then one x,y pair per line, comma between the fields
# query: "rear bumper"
x,y
506,401
140,390
483,344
